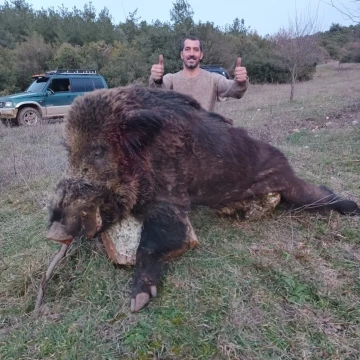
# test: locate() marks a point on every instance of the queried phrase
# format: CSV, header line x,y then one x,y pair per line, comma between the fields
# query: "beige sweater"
x,y
205,88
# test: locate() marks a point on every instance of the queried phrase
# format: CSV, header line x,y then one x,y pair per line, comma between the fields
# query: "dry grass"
x,y
286,287
268,114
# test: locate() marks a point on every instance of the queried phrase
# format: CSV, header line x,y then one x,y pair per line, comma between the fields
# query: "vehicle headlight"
x,y
8,104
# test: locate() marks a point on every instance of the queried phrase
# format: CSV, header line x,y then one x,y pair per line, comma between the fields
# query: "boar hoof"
x,y
142,299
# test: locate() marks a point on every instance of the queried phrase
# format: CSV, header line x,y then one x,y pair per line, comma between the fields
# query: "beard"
x,y
193,64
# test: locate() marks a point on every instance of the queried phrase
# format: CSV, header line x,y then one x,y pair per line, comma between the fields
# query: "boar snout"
x,y
57,232
74,211
73,223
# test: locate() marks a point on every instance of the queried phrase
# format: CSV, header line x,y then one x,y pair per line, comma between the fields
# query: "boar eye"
x,y
99,152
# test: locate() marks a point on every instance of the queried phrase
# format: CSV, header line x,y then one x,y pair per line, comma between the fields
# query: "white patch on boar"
x,y
121,241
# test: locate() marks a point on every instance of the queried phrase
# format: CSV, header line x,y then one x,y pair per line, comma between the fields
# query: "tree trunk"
x,y
293,78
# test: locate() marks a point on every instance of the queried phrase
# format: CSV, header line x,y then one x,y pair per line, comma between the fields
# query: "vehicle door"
x,y
59,97
80,85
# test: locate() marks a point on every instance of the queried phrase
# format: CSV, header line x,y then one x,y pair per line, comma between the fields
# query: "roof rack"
x,y
70,71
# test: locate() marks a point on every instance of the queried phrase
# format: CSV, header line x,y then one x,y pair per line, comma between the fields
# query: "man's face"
x,y
191,53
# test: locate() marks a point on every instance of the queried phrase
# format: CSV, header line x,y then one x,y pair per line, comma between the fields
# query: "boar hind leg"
x,y
254,208
302,195
167,233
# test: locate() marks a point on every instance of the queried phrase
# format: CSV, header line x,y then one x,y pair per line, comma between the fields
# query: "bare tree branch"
x,y
297,47
352,14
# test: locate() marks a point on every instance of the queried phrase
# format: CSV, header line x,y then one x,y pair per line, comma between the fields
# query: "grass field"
x,y
286,287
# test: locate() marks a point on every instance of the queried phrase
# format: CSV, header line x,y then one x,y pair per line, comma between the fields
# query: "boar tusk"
x,y
56,259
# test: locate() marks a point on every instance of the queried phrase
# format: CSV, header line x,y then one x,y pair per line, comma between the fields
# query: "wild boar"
x,y
151,154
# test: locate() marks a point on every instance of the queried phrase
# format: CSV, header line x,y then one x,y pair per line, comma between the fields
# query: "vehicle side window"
x,y
78,85
89,85
98,83
60,85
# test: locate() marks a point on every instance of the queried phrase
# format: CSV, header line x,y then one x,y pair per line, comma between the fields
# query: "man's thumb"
x,y
238,62
161,59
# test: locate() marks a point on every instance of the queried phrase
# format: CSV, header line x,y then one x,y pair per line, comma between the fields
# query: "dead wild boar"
x,y
151,154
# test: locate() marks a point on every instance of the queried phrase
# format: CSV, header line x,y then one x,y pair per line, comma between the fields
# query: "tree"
x,y
7,72
297,47
237,28
126,65
16,18
95,55
106,27
350,53
130,28
67,57
31,57
352,13
258,57
181,12
181,15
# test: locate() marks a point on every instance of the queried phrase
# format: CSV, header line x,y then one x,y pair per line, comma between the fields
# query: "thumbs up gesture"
x,y
157,70
240,72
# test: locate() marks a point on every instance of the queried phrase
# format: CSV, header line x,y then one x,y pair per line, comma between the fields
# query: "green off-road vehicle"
x,y
49,96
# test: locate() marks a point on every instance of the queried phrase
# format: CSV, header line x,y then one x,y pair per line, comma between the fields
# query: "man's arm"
x,y
237,87
166,82
231,88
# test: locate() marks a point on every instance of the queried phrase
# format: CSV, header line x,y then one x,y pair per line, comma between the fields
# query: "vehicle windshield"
x,y
38,85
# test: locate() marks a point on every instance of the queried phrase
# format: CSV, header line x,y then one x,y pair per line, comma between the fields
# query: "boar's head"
x,y
74,209
108,173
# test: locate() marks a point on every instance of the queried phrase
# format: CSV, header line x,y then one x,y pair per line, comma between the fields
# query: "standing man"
x,y
203,86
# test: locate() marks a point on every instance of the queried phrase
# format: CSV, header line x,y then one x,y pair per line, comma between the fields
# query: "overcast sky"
x,y
265,16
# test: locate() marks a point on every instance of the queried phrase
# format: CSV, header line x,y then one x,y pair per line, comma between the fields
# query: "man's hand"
x,y
240,72
157,70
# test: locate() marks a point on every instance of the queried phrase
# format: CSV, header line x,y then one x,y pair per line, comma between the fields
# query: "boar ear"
x,y
139,130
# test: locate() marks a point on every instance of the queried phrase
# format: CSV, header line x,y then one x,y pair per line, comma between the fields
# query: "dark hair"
x,y
191,37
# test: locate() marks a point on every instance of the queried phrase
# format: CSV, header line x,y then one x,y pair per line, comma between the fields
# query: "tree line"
x,y
32,41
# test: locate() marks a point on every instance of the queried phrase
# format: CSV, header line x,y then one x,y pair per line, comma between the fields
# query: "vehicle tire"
x,y
29,116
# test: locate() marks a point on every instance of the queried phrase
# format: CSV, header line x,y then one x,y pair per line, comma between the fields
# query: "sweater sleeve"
x,y
166,83
231,88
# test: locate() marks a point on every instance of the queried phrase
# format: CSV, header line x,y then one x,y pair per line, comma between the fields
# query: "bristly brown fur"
x,y
152,153
207,161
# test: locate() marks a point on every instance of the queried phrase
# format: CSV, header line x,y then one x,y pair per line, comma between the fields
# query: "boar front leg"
x,y
166,233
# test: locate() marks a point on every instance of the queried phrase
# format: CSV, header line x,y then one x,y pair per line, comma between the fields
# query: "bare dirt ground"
x,y
286,287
